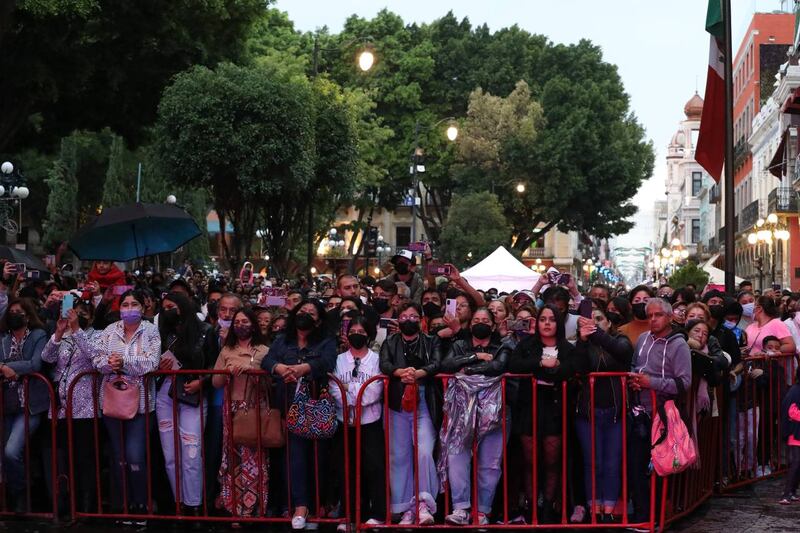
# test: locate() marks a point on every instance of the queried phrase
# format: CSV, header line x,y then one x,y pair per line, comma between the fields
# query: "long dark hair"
x,y
561,335
186,333
34,322
257,339
315,334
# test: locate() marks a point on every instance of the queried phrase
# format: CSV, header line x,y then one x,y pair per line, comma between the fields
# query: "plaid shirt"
x,y
140,356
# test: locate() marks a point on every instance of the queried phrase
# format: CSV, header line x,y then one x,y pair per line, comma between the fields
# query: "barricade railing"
x,y
563,464
751,443
207,510
10,504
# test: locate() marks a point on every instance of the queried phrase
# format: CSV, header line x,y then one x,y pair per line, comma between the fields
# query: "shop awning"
x,y
777,165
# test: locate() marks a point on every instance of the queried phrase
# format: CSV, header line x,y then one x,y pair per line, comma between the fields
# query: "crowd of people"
x,y
467,370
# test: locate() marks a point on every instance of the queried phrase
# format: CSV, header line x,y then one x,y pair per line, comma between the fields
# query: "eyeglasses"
x,y
408,319
356,363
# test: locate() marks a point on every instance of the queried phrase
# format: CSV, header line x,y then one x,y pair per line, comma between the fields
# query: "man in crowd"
x,y
405,266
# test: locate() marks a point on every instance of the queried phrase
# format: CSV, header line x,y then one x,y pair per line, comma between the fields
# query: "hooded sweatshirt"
x,y
664,359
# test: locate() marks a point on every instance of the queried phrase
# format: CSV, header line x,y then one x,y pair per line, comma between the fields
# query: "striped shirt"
x,y
140,356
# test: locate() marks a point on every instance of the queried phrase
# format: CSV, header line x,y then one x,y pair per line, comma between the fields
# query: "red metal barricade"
x,y
29,508
504,514
207,512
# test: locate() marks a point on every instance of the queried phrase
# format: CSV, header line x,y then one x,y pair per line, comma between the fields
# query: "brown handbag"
x,y
246,423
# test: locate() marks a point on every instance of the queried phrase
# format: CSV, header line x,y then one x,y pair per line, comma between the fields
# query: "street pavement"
x,y
753,509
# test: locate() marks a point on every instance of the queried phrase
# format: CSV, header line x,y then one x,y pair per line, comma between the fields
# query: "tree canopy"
x,y
474,227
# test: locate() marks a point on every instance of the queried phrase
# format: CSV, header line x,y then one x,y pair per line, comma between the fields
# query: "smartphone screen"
x,y
67,303
451,307
585,308
385,322
20,267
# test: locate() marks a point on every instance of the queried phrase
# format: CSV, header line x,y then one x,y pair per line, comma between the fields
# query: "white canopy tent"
x,y
715,275
502,271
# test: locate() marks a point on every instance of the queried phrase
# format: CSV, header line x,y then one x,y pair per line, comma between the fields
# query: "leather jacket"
x,y
462,355
392,358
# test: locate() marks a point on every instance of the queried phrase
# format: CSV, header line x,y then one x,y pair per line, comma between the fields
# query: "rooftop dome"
x,y
694,107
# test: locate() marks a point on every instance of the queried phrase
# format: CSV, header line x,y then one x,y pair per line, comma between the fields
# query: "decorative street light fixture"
x,y
383,247
12,192
764,233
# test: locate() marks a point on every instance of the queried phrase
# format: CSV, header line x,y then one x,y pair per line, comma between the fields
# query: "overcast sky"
x,y
660,48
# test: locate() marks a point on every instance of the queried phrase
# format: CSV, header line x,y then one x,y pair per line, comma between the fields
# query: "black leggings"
x,y
793,475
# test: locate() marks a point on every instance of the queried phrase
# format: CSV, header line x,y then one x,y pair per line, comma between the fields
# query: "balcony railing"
x,y
535,253
782,200
748,216
740,152
715,194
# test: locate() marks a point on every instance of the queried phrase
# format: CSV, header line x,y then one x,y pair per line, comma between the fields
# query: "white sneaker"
x,y
344,528
425,516
459,517
298,522
407,519
374,522
483,520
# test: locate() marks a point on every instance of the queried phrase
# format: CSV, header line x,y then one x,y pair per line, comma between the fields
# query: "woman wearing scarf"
x,y
474,406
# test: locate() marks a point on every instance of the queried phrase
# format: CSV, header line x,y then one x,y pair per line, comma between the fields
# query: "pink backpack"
x,y
673,449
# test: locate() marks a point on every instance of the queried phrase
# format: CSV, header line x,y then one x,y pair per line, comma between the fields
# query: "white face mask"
x,y
747,309
364,300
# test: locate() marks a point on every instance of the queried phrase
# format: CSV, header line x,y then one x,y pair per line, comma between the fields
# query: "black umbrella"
x,y
132,231
14,255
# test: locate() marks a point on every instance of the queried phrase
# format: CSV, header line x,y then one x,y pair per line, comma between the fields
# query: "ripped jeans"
x,y
191,440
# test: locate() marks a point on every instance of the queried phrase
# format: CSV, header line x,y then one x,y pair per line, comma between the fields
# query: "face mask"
x,y
350,313
243,332
130,316
409,328
211,309
401,268
169,318
747,309
639,311
304,322
730,325
481,331
614,318
431,308
224,324
16,321
364,300
83,322
357,340
717,311
381,305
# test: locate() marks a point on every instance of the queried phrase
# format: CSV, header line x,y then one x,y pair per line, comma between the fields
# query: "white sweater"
x,y
371,399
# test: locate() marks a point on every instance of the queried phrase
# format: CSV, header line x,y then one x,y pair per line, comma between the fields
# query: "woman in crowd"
x,y
474,405
602,349
619,311
304,352
130,347
411,360
21,344
264,317
355,367
244,488
767,322
182,340
501,311
69,350
552,360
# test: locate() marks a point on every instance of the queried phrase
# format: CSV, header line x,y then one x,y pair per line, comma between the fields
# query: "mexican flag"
x,y
710,151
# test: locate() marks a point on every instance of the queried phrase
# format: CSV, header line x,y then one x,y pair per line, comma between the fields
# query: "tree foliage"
x,y
117,189
690,273
475,226
63,185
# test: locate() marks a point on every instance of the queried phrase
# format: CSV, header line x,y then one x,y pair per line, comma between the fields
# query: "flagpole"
x,y
730,230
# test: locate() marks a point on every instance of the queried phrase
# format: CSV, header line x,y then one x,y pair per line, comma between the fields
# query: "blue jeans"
x,y
490,467
129,456
607,452
402,458
14,453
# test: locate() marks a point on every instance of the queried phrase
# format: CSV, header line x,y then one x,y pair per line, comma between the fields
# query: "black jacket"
x,y
603,352
462,354
393,358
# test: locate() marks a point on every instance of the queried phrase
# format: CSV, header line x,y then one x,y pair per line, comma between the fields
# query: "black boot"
x,y
549,514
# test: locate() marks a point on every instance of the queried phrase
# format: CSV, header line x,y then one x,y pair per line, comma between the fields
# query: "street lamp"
x,y
365,60
12,192
764,234
383,247
520,188
171,199
418,167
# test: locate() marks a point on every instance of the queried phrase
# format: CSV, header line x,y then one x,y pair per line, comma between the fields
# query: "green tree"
x,y
61,218
245,134
475,226
117,188
94,63
689,273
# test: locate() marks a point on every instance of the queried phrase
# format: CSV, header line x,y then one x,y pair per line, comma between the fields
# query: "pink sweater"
x,y
794,414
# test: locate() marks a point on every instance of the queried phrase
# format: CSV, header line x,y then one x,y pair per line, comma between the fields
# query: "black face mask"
x,y
717,312
409,328
304,322
481,331
16,321
431,308
83,322
169,318
212,308
381,305
614,318
401,268
639,311
351,314
357,340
